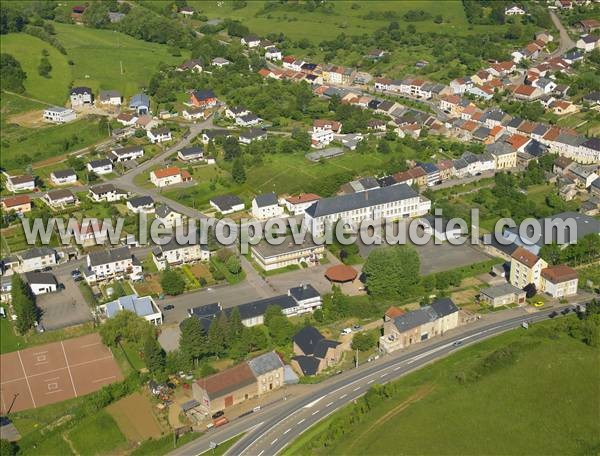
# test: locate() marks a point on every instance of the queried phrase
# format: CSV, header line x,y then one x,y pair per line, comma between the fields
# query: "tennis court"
x,y
43,375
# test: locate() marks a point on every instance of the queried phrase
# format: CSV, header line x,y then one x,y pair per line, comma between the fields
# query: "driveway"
x,y
566,42
64,308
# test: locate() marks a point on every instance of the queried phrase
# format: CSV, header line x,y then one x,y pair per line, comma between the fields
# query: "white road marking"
x,y
383,375
273,442
315,412
26,379
309,405
260,454
302,421
370,381
288,430
356,389
397,368
68,368
343,396
329,404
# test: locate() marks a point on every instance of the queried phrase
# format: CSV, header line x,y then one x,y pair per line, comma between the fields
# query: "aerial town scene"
x,y
299,227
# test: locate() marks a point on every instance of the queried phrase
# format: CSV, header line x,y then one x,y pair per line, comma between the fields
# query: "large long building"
x,y
388,203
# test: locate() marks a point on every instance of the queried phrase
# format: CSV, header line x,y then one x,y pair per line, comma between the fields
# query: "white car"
x,y
346,331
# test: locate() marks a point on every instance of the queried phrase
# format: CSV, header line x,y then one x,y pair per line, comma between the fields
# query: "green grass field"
x,y
536,405
9,340
28,51
97,434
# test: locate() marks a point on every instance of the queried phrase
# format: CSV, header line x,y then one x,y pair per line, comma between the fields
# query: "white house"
x,y
144,307
276,256
159,135
193,65
111,264
272,53
106,193
60,198
190,154
233,112
81,96
169,176
219,62
266,206
57,114
227,204
254,134
587,43
167,216
514,10
99,167
251,41
192,113
110,97
560,281
63,177
248,120
140,204
20,183
35,259
321,138
175,254
126,153
41,282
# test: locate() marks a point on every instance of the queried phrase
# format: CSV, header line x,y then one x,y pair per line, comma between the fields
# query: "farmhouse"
x,y
19,204
419,325
23,183
60,198
313,352
58,114
247,380
81,96
111,264
275,256
143,306
175,254
394,202
266,206
41,282
63,177
169,176
99,167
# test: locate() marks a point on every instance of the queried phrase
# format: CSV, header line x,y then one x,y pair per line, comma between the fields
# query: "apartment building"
x,y
271,256
526,268
111,264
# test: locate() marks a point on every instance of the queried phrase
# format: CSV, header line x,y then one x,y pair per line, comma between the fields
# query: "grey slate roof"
x,y
415,319
265,363
191,151
63,173
303,292
45,278
498,291
226,202
163,210
499,148
307,339
308,364
139,201
100,163
266,199
592,143
253,133
268,250
444,307
109,256
37,252
377,196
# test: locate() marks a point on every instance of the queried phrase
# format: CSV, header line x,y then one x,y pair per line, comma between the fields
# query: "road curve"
x,y
272,429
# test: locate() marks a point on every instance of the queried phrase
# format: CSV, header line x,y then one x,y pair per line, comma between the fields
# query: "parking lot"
x,y
65,307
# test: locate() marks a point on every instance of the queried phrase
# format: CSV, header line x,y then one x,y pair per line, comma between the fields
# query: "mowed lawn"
x,y
97,434
346,17
545,403
99,54
28,51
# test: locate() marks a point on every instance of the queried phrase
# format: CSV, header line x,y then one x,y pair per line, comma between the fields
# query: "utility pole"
x,y
356,358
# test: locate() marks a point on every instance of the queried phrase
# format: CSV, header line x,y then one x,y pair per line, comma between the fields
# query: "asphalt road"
x,y
566,42
267,432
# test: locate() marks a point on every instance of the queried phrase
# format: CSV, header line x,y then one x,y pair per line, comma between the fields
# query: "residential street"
x,y
566,42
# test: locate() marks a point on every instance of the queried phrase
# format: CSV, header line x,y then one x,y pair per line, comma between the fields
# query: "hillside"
x,y
533,404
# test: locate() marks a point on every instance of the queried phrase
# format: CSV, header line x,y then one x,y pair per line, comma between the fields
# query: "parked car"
x,y
47,268
346,331
169,307
553,314
457,343
218,414
220,421
356,327
76,275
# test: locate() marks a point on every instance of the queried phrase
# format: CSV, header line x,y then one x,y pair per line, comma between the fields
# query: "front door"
x,y
228,401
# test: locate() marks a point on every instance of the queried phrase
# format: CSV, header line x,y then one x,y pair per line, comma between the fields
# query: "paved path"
x,y
566,42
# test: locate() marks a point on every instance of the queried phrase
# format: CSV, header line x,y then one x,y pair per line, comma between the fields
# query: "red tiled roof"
x,y
525,90
304,198
167,172
14,201
394,312
496,130
227,381
552,134
518,141
525,257
559,273
264,72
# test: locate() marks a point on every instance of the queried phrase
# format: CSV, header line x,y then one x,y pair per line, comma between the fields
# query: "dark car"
x,y
47,268
457,343
218,414
169,307
566,311
553,314
76,275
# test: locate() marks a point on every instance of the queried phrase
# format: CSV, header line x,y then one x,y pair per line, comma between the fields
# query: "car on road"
x,y
457,343
538,304
356,328
566,311
220,421
218,414
169,307
76,275
553,314
346,331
